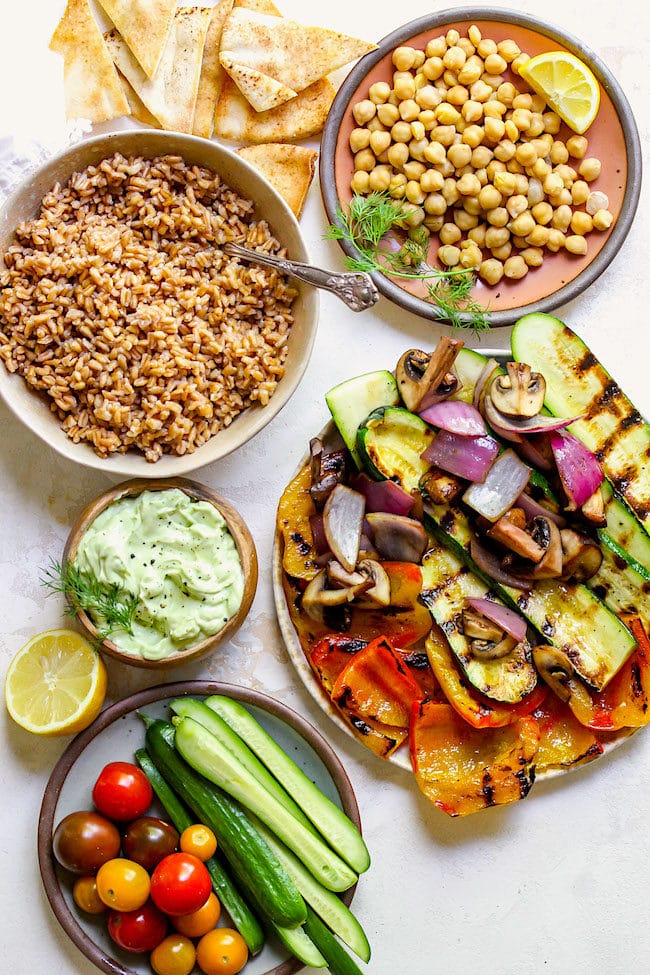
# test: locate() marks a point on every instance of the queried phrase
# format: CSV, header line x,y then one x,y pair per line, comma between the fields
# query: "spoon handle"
x,y
357,290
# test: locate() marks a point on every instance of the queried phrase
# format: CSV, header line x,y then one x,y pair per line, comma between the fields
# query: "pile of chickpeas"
x,y
475,160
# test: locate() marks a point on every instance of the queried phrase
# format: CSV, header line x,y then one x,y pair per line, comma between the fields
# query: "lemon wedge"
x,y
56,684
567,84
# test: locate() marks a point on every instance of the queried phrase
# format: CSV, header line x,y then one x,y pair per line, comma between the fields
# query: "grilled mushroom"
x,y
422,379
520,392
594,508
492,649
555,668
581,556
546,532
479,627
512,531
327,470
379,590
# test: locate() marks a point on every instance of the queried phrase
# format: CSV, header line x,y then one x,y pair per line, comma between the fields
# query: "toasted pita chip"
x,y
299,118
288,168
262,52
92,85
139,110
259,6
212,74
144,25
171,94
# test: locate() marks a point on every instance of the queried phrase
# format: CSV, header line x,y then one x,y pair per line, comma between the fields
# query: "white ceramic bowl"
x,y
24,204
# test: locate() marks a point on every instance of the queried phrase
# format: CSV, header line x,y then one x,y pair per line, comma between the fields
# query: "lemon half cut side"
x,y
568,86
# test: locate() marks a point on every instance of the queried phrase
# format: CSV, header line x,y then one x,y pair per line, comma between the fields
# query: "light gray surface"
x,y
558,884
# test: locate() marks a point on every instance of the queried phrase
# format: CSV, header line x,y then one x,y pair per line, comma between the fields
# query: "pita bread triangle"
x,y
212,74
171,94
262,52
288,168
92,86
139,110
144,25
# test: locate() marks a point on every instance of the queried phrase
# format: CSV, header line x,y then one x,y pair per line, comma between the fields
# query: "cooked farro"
x,y
118,304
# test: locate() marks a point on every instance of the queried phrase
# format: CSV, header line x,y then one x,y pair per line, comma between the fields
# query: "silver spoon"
x,y
357,290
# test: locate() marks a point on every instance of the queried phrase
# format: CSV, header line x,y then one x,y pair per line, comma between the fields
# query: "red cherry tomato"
x,y
122,791
180,884
137,931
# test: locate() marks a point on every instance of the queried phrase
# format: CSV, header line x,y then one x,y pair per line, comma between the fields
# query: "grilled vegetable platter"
x,y
463,564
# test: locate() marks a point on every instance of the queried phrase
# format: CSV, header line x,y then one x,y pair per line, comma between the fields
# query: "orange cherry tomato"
x,y
222,951
123,884
198,923
84,893
198,840
175,955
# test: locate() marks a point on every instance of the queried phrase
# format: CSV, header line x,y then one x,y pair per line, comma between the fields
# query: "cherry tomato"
x,y
199,840
85,896
180,884
175,955
148,841
122,791
84,840
198,923
221,952
123,884
139,930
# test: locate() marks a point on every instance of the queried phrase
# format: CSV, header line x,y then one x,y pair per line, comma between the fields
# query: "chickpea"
x,y
403,85
433,223
523,100
516,204
435,153
379,179
359,139
581,223
470,255
512,132
397,187
433,68
538,236
428,97
363,111
414,193
471,71
521,183
401,132
464,220
360,182
436,47
435,205
491,271
432,181
506,93
474,34
447,114
535,192
522,117
505,183
489,197
450,192
577,146
540,169
575,244
503,252
522,225
516,62
379,142
526,154
486,46
457,95
493,81
404,58
481,157
543,212
473,136
538,104
596,201
469,185
454,58
562,217
552,123
563,198
579,192
388,115
495,64
602,220
419,59
555,240
398,154
559,153
452,37
590,168
374,125
477,234
472,111
493,167
466,45
479,92
418,130
379,92
496,237
567,173
515,268
365,160
536,126
444,134
471,205
414,170
508,50
553,184
409,109
448,254
428,119
449,233
505,150
459,155
450,78
414,215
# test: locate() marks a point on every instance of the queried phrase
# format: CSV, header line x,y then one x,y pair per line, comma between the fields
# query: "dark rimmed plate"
x,y
116,734
613,138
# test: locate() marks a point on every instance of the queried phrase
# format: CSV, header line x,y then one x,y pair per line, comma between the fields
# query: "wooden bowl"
x,y
237,528
24,203
613,138
115,735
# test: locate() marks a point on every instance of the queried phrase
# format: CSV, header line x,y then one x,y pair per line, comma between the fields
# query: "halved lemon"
x,y
56,684
567,84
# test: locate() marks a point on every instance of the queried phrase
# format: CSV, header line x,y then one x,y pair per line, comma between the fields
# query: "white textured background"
x,y
559,884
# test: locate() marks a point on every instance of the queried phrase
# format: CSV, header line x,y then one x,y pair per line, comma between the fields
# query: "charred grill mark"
x,y
301,543
587,362
351,646
418,661
636,686
447,522
633,419
360,726
488,789
548,629
600,590
526,779
522,602
611,391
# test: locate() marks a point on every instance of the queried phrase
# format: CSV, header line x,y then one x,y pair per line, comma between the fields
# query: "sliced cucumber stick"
x,y
298,942
338,960
339,831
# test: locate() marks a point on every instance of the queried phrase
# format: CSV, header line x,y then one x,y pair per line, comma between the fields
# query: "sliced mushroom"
x,y
520,392
555,669
440,487
318,597
581,556
327,470
343,522
511,530
422,379
479,627
339,577
493,649
398,538
483,383
550,567
379,591
594,508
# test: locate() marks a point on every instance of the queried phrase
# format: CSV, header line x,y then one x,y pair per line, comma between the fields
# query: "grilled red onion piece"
x,y
468,457
383,495
578,468
534,509
455,417
342,522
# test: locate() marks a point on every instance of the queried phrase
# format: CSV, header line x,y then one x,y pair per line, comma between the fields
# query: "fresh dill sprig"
x,y
365,225
111,607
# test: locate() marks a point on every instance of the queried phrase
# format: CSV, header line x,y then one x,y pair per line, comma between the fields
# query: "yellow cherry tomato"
x,y
198,923
84,893
222,951
123,884
175,955
198,840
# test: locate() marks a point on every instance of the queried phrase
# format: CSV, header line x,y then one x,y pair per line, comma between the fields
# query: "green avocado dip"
x,y
177,557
